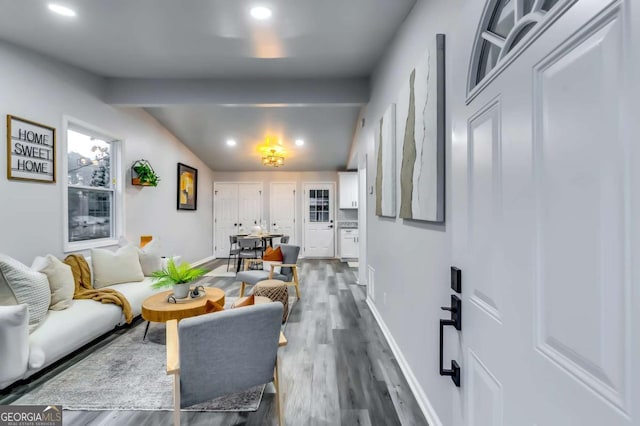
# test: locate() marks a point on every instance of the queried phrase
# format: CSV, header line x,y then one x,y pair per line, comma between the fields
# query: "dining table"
x,y
267,241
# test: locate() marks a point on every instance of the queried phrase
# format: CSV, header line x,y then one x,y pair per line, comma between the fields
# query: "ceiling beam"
x,y
164,92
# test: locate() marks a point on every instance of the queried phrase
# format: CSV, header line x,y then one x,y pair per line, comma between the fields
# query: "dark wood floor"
x,y
337,368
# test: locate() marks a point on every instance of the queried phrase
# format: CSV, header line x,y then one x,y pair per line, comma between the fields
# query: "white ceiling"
x,y
312,58
326,130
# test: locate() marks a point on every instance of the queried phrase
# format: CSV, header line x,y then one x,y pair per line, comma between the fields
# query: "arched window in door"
x,y
504,25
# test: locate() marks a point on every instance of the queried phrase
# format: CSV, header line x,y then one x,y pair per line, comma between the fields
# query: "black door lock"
x,y
456,312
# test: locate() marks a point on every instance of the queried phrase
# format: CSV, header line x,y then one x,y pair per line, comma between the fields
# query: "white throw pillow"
x,y
266,265
122,266
150,258
60,280
29,287
14,342
7,298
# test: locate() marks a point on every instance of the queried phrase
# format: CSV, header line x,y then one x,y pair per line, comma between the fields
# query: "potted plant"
x,y
145,175
178,276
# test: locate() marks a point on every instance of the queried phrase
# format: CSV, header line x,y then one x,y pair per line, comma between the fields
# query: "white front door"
x,y
319,229
249,206
545,214
283,209
226,216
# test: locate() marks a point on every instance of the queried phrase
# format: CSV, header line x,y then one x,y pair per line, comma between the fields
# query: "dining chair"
x,y
250,248
224,352
234,251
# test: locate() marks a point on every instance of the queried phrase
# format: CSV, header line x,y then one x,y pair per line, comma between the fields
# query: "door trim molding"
x,y
421,397
362,221
304,211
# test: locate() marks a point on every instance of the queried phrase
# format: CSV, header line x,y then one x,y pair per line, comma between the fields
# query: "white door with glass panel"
x,y
319,229
236,207
282,209
545,210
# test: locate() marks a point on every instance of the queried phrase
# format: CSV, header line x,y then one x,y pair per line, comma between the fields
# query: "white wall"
x,y
299,178
412,259
31,216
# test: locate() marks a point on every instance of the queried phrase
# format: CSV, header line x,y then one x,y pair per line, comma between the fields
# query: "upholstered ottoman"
x,y
275,290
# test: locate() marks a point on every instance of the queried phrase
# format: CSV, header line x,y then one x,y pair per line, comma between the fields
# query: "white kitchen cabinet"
x,y
348,190
349,244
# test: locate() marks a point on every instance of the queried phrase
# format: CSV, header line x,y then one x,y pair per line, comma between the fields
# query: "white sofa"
x,y
62,332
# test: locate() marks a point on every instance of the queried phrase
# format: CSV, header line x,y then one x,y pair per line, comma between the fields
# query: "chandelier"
x,y
273,159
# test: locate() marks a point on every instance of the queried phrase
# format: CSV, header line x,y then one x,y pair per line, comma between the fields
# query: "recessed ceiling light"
x,y
61,10
260,12
231,142
299,142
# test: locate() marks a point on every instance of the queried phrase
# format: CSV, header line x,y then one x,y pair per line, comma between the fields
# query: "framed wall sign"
x,y
31,151
187,187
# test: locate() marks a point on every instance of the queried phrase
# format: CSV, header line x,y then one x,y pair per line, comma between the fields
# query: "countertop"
x,y
347,224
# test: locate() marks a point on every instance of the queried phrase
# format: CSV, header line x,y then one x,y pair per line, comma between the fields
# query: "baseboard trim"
x,y
424,403
203,261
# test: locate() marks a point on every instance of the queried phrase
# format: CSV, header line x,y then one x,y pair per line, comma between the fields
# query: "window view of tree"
x,y
91,193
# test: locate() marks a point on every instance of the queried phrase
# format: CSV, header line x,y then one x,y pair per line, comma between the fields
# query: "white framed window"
x,y
93,202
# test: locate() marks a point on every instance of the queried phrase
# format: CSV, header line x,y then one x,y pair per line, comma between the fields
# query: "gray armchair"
x,y
288,272
219,353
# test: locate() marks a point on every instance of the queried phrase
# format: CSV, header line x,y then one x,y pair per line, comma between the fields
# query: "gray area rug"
x,y
129,374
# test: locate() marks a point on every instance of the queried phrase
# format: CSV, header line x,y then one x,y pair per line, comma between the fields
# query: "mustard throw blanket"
x,y
84,289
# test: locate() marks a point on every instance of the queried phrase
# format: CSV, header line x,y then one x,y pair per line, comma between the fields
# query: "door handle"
x,y
255,222
274,224
455,321
330,226
235,224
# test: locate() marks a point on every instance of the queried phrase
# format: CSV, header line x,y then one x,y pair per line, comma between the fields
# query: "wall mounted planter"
x,y
142,174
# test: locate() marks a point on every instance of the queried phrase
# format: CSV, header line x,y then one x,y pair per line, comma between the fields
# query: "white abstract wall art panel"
x,y
386,163
422,130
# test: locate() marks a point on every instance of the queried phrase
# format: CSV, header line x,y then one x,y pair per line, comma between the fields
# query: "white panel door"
x,y
544,216
249,206
226,216
282,207
319,230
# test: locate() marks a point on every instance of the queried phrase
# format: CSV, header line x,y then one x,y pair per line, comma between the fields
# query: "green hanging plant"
x,y
144,174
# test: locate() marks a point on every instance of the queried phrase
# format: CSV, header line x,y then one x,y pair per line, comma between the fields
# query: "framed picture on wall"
x,y
31,151
187,187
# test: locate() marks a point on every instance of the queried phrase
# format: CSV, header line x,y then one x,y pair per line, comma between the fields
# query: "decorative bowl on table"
x,y
194,293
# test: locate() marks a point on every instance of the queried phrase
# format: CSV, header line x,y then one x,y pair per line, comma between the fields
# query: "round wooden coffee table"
x,y
156,308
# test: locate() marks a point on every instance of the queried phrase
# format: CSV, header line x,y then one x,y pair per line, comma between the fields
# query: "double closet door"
x,y
238,208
